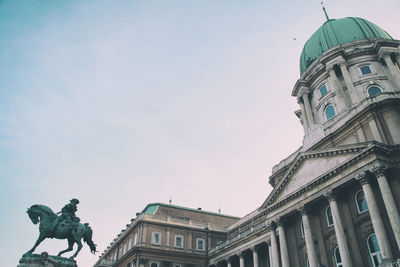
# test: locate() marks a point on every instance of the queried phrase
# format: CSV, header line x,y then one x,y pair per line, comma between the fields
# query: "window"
x,y
307,262
329,112
135,240
129,265
200,244
302,228
374,250
365,70
154,264
328,215
374,90
177,265
179,241
361,203
155,238
338,259
323,90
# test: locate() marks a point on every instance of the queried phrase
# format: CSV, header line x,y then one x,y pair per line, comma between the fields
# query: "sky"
x,y
125,103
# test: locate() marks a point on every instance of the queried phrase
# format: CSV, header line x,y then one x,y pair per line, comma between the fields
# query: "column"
x,y
392,69
338,87
269,253
349,83
311,253
283,244
255,257
394,217
241,260
376,218
307,105
228,262
303,116
274,248
339,230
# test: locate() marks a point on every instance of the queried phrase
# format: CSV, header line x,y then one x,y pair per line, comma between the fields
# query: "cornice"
x,y
373,147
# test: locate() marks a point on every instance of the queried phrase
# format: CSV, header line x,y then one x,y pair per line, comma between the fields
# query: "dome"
x,y
336,32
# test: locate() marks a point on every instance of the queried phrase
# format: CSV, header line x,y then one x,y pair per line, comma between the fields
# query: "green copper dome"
x,y
336,32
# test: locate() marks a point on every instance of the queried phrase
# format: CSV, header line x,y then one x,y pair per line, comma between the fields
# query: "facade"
x,y
167,236
335,200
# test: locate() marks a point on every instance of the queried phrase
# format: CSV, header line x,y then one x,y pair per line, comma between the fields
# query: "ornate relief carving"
x,y
378,169
362,178
329,195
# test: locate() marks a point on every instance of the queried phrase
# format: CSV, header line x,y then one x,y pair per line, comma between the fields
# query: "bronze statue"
x,y
64,226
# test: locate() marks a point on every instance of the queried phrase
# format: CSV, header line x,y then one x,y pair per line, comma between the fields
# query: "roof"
x,y
335,32
152,209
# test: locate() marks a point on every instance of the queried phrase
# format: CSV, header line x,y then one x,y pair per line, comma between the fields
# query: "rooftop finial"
x,y
326,14
170,200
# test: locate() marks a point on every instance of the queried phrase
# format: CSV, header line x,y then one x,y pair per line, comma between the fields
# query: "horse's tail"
x,y
87,237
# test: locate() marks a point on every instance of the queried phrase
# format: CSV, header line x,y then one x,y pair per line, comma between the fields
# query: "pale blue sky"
x,y
124,103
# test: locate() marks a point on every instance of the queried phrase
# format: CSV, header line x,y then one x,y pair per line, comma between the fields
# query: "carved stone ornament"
x,y
302,210
329,195
362,178
378,169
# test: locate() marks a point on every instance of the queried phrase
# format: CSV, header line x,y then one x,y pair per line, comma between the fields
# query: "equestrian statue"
x,y
61,225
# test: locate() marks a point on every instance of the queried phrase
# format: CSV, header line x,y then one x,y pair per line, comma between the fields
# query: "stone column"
x,y
338,87
392,69
376,218
311,253
269,254
349,83
307,106
255,257
241,259
274,248
339,230
228,262
283,244
303,116
394,217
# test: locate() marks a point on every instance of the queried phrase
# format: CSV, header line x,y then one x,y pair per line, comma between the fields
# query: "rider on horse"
x,y
67,213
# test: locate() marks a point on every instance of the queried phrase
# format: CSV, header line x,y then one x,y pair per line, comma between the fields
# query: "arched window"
x,y
307,262
329,112
302,228
361,203
328,215
374,90
374,250
154,264
338,259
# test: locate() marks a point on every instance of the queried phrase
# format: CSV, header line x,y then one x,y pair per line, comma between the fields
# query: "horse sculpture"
x,y
66,229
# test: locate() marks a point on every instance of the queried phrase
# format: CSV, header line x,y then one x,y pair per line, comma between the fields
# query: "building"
x,y
168,236
335,200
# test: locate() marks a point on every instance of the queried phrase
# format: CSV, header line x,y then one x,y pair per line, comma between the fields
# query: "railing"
x,y
240,235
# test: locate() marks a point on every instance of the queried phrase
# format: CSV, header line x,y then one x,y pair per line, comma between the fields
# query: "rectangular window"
x,y
323,90
200,244
135,240
179,241
124,249
156,238
365,70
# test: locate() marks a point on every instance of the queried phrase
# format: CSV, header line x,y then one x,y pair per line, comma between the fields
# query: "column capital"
x,y
279,221
227,259
378,169
240,255
362,178
254,249
330,195
302,210
304,91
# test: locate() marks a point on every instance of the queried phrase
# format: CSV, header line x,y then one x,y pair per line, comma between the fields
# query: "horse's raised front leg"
x,y
38,241
77,251
70,247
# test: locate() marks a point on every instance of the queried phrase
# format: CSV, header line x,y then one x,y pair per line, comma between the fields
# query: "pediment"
x,y
309,166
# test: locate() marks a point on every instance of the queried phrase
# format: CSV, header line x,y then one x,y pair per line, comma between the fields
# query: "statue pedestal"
x,y
43,260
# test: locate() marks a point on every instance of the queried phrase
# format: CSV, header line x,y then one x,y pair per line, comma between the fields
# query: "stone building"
x,y
165,235
335,200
